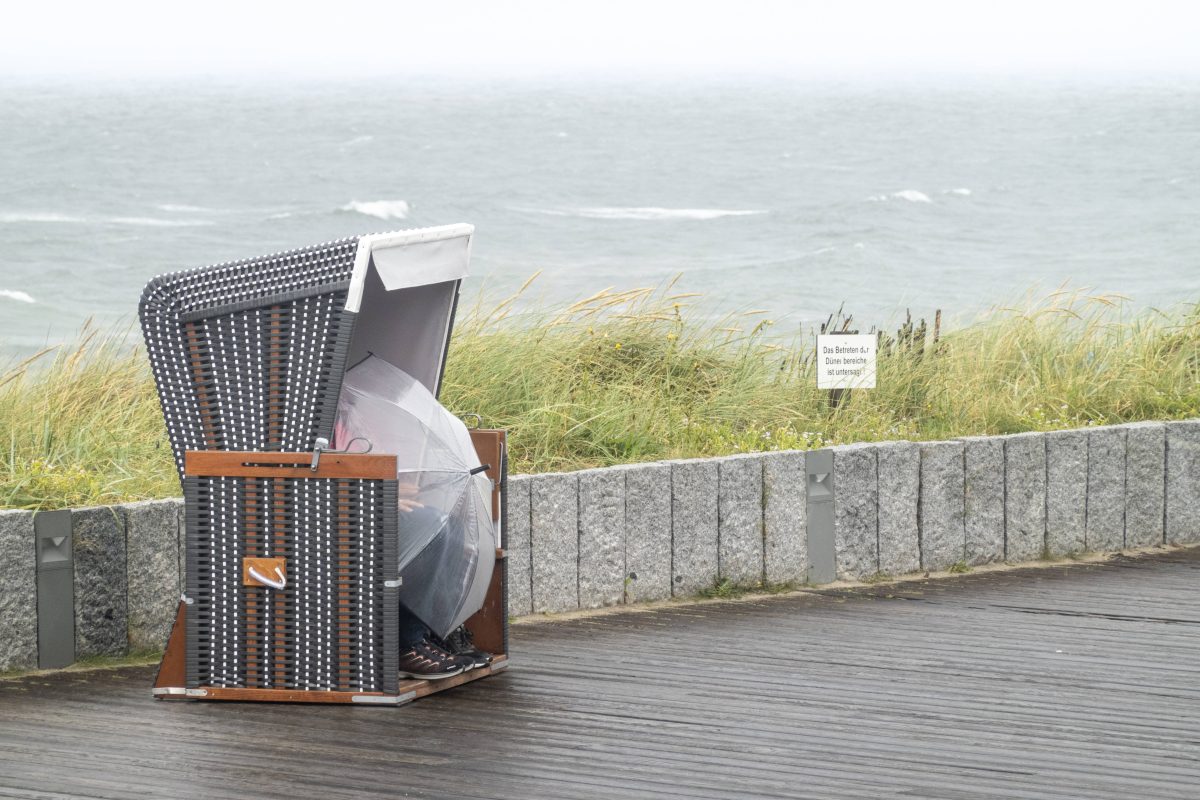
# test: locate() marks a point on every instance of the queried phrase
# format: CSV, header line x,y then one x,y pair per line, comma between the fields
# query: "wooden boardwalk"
x,y
1077,682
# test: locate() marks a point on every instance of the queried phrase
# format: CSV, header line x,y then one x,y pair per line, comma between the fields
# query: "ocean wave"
x,y
911,195
13,294
151,222
964,192
357,140
648,213
184,208
380,209
50,217
34,216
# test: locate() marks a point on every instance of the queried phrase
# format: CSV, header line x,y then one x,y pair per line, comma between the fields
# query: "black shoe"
x,y
426,661
461,642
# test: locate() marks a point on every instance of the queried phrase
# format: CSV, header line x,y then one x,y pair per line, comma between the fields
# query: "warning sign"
x,y
846,362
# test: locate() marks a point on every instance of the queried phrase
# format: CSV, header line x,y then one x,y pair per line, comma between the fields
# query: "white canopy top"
x,y
403,288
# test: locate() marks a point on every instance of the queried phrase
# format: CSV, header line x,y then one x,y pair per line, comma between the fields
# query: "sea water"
x,y
789,197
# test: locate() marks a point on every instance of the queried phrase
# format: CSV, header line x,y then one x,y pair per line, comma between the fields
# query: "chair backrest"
x,y
250,355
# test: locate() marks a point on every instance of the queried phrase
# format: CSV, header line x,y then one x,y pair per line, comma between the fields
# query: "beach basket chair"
x,y
248,358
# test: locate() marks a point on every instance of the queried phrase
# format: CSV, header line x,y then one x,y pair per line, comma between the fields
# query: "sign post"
x,y
845,361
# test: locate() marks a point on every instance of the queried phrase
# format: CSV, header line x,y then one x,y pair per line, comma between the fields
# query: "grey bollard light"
x,y
822,555
55,589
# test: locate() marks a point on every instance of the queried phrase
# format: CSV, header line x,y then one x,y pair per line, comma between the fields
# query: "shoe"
x,y
426,661
461,642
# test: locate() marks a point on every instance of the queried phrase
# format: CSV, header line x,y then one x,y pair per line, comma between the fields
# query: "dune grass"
x,y
638,375
648,374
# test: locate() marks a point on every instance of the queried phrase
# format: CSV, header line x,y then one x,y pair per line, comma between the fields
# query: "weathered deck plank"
x,y
1051,683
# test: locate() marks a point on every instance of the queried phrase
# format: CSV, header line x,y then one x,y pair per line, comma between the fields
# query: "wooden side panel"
x,y
172,670
489,624
490,445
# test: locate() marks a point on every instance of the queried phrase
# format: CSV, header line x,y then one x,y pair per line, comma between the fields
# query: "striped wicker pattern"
x,y
250,355
333,628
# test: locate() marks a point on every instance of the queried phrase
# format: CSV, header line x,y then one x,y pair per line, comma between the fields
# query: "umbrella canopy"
x,y
447,535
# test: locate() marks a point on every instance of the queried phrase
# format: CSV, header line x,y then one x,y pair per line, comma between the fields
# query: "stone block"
x,y
554,542
18,592
983,499
1106,489
855,511
1024,496
152,543
516,546
101,585
785,512
694,487
601,537
899,469
1066,491
740,519
943,504
1145,483
1183,482
647,532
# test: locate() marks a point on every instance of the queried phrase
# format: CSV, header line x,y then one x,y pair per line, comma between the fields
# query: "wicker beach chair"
x,y
248,358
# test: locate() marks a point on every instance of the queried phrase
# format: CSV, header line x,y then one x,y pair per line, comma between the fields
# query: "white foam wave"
x,y
34,216
13,294
183,208
911,195
151,222
380,209
358,140
649,213
964,192
51,217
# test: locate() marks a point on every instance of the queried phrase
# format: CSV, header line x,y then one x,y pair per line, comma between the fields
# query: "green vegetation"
x,y
725,589
84,428
643,375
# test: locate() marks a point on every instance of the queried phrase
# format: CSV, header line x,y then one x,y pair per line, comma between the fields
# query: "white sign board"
x,y
846,362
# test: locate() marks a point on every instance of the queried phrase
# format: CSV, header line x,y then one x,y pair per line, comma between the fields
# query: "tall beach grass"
x,y
647,374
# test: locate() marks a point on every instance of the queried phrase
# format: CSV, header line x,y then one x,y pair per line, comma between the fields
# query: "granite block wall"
x,y
899,477
740,519
554,542
648,532
983,499
18,592
694,525
856,510
785,508
942,504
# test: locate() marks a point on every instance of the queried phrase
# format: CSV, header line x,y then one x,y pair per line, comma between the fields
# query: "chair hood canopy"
x,y
250,355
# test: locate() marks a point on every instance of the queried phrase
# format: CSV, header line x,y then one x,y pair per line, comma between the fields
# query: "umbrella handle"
x,y
265,581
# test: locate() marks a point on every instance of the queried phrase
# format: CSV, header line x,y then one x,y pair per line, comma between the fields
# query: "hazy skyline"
x,y
802,40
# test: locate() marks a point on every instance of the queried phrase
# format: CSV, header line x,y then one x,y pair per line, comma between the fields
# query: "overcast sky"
x,y
832,39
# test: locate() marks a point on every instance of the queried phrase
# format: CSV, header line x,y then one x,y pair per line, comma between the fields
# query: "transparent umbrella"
x,y
447,536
